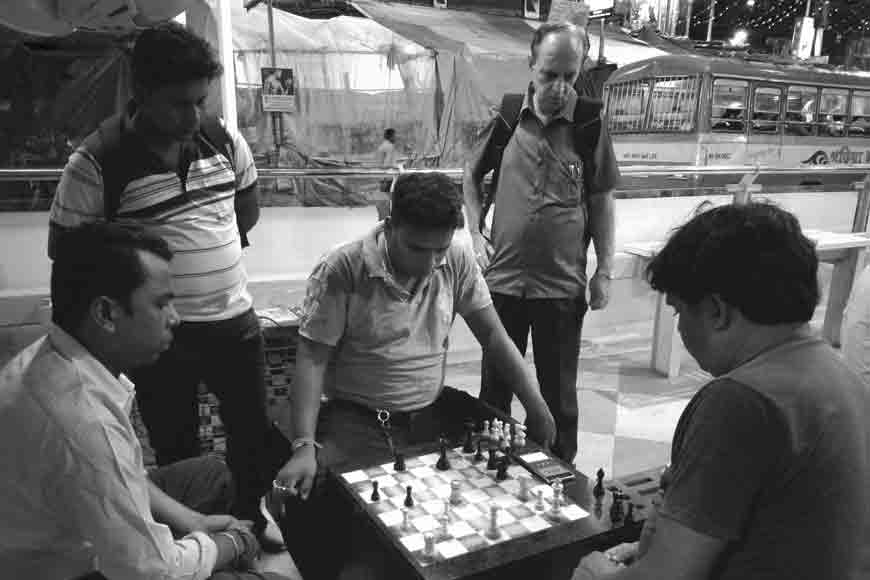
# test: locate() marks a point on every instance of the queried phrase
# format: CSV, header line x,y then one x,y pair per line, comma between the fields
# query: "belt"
x,y
401,419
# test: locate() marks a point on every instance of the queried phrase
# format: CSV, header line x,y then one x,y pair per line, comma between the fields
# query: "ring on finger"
x,y
280,488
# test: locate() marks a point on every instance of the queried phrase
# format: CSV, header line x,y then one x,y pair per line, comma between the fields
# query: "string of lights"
x,y
778,16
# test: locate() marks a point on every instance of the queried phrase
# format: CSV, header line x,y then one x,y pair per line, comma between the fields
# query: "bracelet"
x,y
301,442
236,549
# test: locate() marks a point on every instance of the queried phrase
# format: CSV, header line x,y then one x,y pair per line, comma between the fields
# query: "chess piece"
x,y
478,457
485,431
399,465
616,512
524,488
444,532
492,532
443,463
468,447
556,505
406,520
539,503
409,500
501,474
375,495
428,546
455,493
492,463
598,490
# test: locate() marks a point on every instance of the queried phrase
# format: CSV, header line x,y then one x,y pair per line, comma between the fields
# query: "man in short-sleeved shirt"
x,y
552,196
190,180
771,459
374,337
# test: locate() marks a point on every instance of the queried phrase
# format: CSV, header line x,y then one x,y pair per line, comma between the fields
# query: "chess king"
x,y
377,315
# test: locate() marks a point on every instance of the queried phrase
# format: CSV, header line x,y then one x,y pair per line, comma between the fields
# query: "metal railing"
x,y
53,174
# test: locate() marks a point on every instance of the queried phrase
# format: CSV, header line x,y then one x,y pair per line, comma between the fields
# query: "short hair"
x,y
99,259
753,256
543,31
170,54
389,134
427,200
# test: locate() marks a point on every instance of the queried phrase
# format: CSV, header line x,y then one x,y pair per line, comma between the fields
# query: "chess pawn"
x,y
375,495
492,532
478,457
616,512
428,546
409,498
598,490
485,431
492,463
406,520
455,493
539,503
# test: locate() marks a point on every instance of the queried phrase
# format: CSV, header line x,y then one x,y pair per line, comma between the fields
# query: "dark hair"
x,y
427,200
389,134
96,260
754,256
169,54
545,30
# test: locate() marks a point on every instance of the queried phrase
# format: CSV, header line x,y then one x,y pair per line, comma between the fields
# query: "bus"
x,y
710,110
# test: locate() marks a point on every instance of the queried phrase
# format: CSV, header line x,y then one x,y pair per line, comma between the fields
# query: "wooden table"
x,y
844,250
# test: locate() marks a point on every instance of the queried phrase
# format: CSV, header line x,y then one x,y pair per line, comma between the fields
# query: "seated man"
x,y
374,337
771,459
75,501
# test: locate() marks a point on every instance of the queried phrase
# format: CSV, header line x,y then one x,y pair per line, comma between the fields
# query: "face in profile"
x,y
144,331
417,251
175,110
554,71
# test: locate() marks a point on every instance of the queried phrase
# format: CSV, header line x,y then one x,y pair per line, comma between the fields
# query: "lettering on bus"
x,y
718,156
644,155
842,155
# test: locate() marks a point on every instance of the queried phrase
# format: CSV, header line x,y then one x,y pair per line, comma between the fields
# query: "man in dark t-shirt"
x,y
771,459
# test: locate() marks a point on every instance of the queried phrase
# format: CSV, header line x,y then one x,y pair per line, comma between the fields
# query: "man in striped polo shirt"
x,y
190,180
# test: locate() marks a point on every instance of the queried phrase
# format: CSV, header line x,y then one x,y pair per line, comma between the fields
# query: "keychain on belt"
x,y
384,419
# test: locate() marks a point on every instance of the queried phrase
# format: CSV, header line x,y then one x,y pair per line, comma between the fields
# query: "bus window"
x,y
800,113
860,125
766,110
729,105
626,106
832,112
673,103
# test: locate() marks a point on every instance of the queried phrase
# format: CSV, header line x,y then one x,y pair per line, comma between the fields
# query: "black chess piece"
x,y
443,463
399,465
491,463
376,496
616,511
501,474
598,490
478,457
468,447
409,500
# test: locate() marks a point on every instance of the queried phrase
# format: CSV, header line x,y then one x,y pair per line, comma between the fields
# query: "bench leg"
x,y
667,348
841,285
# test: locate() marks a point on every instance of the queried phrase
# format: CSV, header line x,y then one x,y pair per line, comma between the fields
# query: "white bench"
x,y
844,250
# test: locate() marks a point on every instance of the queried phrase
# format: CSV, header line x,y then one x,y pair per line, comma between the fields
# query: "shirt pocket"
x,y
566,183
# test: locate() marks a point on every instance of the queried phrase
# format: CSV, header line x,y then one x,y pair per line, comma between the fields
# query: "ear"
x,y
720,312
103,312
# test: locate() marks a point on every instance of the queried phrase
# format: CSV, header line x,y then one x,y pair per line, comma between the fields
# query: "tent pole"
x,y
601,40
277,120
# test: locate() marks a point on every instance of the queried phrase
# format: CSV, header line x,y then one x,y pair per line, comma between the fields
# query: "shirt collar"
x,y
566,113
120,389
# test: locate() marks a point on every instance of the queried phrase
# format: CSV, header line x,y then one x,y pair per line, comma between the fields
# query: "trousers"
x,y
556,325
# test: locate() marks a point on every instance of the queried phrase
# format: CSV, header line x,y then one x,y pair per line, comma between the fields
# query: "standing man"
x,y
190,180
553,195
386,155
770,459
75,501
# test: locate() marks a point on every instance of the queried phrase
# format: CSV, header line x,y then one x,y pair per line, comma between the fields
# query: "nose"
x,y
173,319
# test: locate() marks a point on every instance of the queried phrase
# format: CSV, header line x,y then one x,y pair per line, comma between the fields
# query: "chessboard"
x,y
456,512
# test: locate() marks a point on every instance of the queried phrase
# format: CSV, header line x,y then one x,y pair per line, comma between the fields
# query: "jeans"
x,y
228,356
556,324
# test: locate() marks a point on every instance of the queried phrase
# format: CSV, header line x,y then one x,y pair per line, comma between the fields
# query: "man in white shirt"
x,y
75,499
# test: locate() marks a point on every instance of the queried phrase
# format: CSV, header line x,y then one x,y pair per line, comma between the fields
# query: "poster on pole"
x,y
279,90
562,10
532,9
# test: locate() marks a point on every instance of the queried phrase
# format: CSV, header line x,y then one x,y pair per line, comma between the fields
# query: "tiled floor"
x,y
627,411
